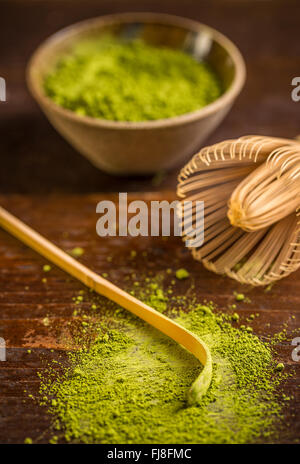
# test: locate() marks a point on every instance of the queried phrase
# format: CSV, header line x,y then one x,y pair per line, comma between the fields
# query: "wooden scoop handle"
x,y
102,286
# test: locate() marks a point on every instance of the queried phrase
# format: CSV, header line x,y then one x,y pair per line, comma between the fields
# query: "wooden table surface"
x,y
25,300
35,159
37,162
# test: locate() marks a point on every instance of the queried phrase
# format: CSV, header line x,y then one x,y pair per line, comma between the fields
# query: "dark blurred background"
x,y
35,159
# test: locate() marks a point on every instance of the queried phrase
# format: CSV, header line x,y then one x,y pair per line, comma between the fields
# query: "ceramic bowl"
x,y
150,146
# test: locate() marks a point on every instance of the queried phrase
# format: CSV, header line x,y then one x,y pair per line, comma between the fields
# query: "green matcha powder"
x,y
128,384
130,81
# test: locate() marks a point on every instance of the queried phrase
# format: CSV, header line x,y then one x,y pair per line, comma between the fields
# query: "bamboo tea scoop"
x,y
102,286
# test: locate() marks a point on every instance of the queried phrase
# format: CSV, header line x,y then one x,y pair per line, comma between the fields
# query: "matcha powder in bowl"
x,y
118,80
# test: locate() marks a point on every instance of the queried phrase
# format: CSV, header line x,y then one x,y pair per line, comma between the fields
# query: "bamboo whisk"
x,y
251,192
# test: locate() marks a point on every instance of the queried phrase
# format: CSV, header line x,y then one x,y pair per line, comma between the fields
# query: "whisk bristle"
x,y
269,193
251,190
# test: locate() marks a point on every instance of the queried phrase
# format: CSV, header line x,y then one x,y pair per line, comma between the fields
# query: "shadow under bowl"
x,y
150,146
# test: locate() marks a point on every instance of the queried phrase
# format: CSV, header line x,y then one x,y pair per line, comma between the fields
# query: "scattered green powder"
x,y
239,296
46,321
269,287
130,81
76,252
182,274
152,295
46,268
279,367
130,384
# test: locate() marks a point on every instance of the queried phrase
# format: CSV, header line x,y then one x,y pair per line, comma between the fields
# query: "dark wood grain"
x,y
35,159
25,300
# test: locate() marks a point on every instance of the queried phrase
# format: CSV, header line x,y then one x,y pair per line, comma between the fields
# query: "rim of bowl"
x,y
194,26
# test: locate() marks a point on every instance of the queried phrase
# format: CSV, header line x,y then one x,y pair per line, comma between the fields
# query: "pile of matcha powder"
x,y
130,81
129,383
